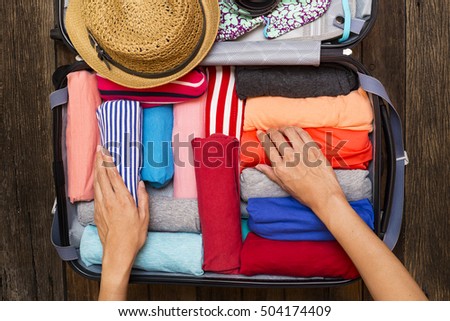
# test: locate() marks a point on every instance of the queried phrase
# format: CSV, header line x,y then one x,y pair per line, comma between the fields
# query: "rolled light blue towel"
x,y
162,252
286,219
157,125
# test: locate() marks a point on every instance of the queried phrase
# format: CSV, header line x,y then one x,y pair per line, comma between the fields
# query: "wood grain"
x,y
383,53
407,50
427,123
30,267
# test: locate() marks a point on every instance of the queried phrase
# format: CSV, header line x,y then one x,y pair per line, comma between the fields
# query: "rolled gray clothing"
x,y
85,213
355,184
244,212
174,215
295,81
85,210
166,214
75,232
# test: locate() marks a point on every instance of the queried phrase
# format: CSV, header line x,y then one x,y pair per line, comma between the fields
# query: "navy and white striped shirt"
x,y
120,123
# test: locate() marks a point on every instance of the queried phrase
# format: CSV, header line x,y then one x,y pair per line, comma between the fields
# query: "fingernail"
x,y
99,148
141,184
258,167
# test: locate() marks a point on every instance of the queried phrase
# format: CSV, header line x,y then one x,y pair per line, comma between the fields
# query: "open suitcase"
x,y
386,168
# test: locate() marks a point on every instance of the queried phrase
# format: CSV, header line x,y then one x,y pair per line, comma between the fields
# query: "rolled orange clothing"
x,y
352,111
344,149
82,134
251,151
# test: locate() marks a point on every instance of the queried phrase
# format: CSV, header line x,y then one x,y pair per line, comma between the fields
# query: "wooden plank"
x,y
257,294
208,293
383,52
307,294
427,254
163,292
30,269
351,292
79,288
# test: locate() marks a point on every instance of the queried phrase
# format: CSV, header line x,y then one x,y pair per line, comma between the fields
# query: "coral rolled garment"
x,y
217,175
352,111
295,258
82,134
188,122
344,149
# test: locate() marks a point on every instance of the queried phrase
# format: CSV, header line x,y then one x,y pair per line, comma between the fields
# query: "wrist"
x,y
115,276
327,209
118,257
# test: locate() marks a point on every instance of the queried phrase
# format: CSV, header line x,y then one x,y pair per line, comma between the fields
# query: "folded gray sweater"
x,y
167,214
355,184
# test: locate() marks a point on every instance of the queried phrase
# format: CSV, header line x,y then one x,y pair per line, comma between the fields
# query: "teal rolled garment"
x,y
162,252
157,126
245,229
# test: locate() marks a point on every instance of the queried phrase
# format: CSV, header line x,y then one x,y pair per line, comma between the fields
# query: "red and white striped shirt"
x,y
224,110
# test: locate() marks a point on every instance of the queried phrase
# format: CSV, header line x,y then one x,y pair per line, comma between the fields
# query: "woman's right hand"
x,y
300,168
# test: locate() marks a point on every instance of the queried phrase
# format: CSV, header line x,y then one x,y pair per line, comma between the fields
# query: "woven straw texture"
x,y
150,37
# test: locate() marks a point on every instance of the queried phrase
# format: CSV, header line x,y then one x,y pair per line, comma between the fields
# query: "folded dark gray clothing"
x,y
295,81
355,184
166,214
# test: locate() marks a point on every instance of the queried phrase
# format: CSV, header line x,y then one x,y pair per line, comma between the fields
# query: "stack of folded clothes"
x,y
329,104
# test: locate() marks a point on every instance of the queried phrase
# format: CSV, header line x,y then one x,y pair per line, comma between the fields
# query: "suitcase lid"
x,y
267,52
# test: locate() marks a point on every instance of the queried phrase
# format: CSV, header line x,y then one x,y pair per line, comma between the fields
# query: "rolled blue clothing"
x,y
120,124
162,252
286,219
157,125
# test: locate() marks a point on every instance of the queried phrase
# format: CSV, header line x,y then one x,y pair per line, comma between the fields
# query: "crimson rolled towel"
x,y
216,160
295,258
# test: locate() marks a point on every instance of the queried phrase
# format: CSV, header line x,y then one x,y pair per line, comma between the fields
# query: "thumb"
x,y
143,203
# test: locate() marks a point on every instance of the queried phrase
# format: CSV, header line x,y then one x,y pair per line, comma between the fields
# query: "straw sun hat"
x,y
142,43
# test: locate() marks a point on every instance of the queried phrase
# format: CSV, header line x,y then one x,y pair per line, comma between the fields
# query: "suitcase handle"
x,y
392,218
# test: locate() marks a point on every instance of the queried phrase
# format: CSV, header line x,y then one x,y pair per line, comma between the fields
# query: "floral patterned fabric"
x,y
289,15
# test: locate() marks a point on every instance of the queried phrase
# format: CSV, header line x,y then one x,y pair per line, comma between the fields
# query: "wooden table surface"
x,y
408,50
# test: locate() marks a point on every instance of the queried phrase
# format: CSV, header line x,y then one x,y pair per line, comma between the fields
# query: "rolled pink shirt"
x,y
82,134
188,123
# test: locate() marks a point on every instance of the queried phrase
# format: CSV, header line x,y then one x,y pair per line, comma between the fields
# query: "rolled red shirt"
x,y
216,161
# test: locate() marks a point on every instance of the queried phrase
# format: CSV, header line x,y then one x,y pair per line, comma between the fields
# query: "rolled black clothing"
x,y
295,81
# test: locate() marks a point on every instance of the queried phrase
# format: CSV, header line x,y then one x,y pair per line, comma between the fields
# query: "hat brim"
x,y
78,34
